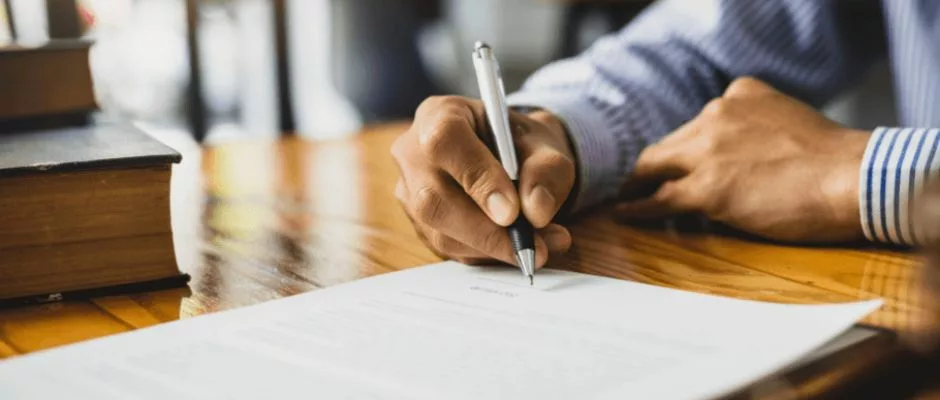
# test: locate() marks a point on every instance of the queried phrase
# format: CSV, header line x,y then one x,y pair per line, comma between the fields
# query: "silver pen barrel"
x,y
526,259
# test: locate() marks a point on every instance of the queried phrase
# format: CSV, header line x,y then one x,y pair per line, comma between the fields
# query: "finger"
x,y
557,238
671,158
672,198
682,134
665,160
438,207
440,244
445,208
475,261
661,162
542,251
545,179
746,87
451,144
448,247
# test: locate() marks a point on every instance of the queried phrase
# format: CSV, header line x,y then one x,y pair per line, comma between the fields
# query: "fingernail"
x,y
557,239
500,208
542,199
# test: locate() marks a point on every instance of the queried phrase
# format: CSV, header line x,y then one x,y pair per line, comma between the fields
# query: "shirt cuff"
x,y
897,164
591,132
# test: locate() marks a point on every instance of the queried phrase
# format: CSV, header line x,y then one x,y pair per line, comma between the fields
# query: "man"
x,y
711,100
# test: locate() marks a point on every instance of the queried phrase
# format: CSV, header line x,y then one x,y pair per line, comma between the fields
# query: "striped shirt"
x,y
633,87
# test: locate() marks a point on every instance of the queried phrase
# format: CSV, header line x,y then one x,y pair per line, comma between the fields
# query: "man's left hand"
x,y
760,161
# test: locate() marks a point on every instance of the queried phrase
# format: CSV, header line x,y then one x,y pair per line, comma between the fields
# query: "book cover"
x,y
71,149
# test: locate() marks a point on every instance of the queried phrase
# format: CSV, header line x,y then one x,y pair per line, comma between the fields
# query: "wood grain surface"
x,y
260,220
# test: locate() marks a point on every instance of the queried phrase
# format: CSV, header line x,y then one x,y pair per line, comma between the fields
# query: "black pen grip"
x,y
521,233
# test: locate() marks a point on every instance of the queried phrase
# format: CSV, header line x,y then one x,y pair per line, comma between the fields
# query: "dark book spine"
x,y
136,287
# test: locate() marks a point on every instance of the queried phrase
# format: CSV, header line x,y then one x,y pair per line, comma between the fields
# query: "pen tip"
x,y
479,45
531,280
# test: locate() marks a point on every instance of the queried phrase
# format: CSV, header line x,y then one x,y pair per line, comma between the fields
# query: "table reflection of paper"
x,y
447,331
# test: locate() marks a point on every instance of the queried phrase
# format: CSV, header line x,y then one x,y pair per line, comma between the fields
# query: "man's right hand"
x,y
459,197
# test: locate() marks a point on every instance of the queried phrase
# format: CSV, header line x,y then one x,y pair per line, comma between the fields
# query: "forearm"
x,y
632,88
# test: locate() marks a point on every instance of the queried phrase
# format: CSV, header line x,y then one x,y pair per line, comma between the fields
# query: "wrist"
x,y
841,185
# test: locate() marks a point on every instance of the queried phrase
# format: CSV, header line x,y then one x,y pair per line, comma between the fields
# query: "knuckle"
x,y
433,102
559,167
428,205
452,101
716,108
426,106
745,84
711,142
748,87
552,161
476,179
438,140
434,105
434,138
430,100
531,143
556,161
398,149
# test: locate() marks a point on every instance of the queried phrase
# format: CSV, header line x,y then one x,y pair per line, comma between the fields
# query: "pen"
x,y
494,101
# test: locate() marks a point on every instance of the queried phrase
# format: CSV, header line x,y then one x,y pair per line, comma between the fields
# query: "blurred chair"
x,y
586,20
282,57
378,65
196,104
64,22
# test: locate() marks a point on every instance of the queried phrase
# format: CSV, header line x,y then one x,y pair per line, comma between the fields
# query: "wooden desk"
x,y
256,221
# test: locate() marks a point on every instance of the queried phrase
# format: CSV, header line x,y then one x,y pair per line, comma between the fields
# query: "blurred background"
x,y
322,68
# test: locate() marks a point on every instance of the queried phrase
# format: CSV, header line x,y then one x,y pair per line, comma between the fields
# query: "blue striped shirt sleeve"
x,y
632,88
897,164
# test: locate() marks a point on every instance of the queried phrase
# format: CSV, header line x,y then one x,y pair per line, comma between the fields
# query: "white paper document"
x,y
447,331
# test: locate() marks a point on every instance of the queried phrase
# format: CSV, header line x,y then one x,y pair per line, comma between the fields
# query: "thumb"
x,y
545,178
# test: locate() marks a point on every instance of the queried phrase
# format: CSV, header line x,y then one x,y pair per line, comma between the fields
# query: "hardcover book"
x,y
82,210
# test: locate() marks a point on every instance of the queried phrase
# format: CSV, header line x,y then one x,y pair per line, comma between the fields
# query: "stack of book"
x,y
45,86
45,77
84,208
